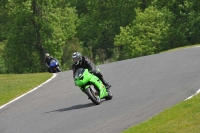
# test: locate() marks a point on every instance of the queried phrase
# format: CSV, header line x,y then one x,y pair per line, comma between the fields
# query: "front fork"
x,y
101,91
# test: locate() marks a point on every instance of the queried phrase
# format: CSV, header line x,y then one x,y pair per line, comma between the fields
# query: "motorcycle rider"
x,y
48,59
80,61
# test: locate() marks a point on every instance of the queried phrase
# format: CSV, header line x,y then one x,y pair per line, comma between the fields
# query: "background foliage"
x,y
103,30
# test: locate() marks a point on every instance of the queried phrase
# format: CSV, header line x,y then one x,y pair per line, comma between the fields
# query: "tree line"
x,y
103,30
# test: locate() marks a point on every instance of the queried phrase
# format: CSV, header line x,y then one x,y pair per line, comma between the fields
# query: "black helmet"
x,y
76,56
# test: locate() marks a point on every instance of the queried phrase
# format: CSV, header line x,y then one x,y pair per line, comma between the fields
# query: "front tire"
x,y
58,69
93,95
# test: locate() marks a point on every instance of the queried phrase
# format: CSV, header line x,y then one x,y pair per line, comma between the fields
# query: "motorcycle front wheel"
x,y
93,95
58,69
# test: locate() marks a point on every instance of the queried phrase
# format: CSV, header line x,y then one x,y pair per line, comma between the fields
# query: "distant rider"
x,y
80,61
48,59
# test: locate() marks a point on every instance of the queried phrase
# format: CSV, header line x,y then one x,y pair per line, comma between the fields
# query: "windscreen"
x,y
79,72
52,61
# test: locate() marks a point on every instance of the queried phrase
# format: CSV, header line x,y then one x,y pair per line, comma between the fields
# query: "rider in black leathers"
x,y
48,59
80,61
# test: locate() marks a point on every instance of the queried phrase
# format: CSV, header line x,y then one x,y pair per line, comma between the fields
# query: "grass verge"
x,y
14,85
181,118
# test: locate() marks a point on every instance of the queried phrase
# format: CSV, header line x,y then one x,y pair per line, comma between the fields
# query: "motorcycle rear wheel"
x,y
93,95
52,70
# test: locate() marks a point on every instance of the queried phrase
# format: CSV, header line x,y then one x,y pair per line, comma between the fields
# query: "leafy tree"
x,y
182,11
71,46
20,54
37,27
148,34
107,30
194,20
3,20
3,34
2,63
100,22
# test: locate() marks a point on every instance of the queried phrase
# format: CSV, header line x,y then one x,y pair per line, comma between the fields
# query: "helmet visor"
x,y
76,60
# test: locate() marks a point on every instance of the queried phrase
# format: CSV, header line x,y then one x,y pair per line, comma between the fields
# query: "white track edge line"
x,y
197,91
193,95
54,75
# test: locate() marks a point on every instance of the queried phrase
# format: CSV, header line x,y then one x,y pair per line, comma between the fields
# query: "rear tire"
x,y
92,94
52,70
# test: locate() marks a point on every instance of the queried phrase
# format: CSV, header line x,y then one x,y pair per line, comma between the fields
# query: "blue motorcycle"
x,y
54,66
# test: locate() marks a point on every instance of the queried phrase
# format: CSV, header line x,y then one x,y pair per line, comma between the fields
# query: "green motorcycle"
x,y
92,86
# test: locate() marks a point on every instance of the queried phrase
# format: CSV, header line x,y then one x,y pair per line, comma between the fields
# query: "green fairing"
x,y
84,77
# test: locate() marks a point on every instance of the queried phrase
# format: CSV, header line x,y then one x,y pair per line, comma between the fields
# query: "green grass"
x,y
181,118
14,85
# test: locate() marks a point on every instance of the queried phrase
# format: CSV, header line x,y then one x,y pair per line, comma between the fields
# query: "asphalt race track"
x,y
141,87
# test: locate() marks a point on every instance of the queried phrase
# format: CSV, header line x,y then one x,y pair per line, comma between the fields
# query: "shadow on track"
x,y
80,106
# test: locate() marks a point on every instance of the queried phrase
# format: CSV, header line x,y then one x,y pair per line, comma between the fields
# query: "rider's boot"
x,y
107,85
100,76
